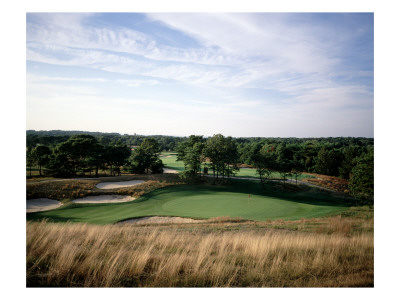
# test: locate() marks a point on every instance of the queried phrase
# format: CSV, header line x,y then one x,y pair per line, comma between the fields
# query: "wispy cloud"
x,y
263,65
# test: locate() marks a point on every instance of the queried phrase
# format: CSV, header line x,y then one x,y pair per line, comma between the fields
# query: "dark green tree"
x,y
30,160
328,162
190,152
284,157
265,162
41,155
146,158
97,159
349,160
78,149
222,154
361,181
296,165
115,156
60,165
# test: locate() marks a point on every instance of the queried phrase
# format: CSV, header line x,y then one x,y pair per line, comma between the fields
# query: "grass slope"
x,y
206,201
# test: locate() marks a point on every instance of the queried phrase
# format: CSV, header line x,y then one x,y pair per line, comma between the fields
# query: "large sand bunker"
x,y
104,199
41,204
116,185
158,220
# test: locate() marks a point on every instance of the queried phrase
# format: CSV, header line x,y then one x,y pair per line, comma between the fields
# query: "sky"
x,y
238,74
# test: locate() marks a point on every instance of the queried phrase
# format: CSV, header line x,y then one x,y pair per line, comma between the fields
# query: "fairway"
x,y
169,160
201,201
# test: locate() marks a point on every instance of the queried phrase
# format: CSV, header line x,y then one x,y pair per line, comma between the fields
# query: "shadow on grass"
x,y
96,212
288,192
40,216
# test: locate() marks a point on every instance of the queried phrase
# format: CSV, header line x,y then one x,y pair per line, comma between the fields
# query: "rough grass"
x,y
329,182
69,189
223,253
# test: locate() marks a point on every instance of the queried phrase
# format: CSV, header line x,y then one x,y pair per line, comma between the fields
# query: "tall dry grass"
x,y
172,256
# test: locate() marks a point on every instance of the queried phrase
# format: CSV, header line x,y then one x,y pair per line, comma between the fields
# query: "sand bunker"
x,y
116,185
104,199
170,171
41,204
158,220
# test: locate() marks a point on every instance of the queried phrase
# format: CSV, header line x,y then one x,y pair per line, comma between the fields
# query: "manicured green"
x,y
206,201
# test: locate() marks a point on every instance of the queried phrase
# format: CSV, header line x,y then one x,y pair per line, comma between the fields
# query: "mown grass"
x,y
252,173
169,159
221,253
235,198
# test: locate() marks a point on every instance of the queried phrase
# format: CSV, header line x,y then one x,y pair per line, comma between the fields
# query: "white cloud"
x,y
294,64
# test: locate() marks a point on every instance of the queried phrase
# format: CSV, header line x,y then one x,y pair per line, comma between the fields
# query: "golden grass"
x,y
69,189
197,255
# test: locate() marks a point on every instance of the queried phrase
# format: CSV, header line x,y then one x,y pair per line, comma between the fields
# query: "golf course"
x,y
243,199
155,221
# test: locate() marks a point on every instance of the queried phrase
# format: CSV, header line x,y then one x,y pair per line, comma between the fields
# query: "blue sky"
x,y
239,74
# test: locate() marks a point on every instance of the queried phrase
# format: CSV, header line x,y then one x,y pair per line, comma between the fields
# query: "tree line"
x,y
62,155
83,153
224,155
53,137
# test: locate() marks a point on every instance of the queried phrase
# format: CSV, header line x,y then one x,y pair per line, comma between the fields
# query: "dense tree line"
x,y
83,153
329,156
61,153
53,137
223,155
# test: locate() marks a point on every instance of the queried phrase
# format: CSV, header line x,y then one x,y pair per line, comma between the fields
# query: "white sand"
x,y
104,199
116,185
41,204
163,220
170,171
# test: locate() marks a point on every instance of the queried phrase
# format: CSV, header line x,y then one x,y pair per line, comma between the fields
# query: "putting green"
x,y
198,201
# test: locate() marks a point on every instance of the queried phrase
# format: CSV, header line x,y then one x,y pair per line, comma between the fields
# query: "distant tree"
x,y
60,165
222,154
79,154
361,181
78,149
231,157
284,158
115,156
41,155
247,151
296,166
328,162
97,159
265,162
190,152
349,160
146,158
213,152
30,160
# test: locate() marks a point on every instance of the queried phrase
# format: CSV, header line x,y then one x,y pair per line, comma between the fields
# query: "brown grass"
x,y
69,189
335,254
329,182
